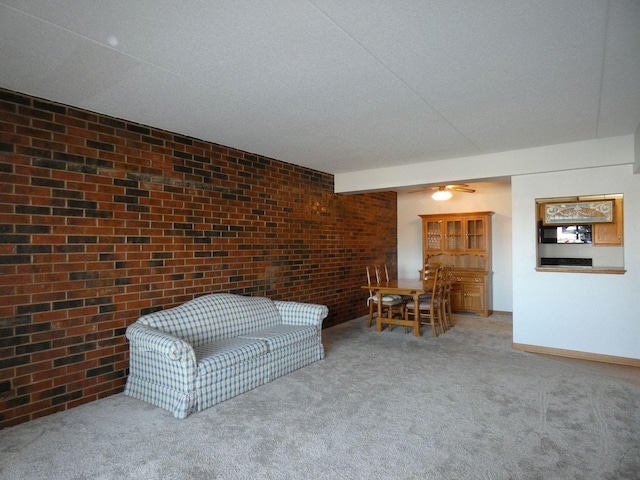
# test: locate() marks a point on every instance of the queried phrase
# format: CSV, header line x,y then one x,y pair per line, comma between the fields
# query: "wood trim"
x,y
594,357
428,216
600,270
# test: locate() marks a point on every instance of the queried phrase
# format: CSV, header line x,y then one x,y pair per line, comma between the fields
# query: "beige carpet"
x,y
380,406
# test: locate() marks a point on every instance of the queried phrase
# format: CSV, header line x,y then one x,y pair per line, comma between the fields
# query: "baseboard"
x,y
594,357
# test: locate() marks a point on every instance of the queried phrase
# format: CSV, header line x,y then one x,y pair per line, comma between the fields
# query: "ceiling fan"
x,y
443,192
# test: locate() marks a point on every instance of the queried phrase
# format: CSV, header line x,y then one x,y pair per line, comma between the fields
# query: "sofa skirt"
x,y
293,357
180,404
220,385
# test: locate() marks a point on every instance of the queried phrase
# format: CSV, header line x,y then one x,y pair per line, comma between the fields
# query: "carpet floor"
x,y
384,405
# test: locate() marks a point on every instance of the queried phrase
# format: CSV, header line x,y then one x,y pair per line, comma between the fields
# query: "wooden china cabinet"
x,y
464,241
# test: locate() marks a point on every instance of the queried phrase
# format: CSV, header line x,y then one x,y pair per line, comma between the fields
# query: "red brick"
x,y
165,239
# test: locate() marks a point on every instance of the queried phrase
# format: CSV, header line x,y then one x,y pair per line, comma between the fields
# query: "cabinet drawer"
x,y
468,278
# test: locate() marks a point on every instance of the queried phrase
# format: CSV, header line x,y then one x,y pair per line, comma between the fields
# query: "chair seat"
x,y
424,304
390,300
387,298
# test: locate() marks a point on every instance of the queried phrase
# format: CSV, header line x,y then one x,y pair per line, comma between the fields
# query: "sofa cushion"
x,y
226,352
215,316
280,336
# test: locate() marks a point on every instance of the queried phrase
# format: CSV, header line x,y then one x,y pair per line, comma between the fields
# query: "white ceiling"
x,y
334,85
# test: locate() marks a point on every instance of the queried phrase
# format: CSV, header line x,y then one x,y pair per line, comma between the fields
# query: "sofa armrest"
x,y
295,313
149,339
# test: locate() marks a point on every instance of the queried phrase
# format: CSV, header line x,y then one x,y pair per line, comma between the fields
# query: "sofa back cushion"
x,y
215,316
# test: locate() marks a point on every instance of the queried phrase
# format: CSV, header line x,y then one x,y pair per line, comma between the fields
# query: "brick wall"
x,y
103,220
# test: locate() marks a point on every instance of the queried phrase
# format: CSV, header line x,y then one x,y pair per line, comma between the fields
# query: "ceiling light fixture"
x,y
440,195
443,192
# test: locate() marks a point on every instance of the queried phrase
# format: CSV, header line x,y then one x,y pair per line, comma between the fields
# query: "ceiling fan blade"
x,y
418,191
441,188
463,189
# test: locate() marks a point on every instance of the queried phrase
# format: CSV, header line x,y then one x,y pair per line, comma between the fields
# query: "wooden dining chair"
x,y
446,298
426,272
429,308
391,304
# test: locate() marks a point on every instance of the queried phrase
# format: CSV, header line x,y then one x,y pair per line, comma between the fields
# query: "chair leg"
x,y
447,313
404,315
444,326
370,319
406,318
433,315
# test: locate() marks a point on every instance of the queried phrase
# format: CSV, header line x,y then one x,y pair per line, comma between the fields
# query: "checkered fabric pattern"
x,y
224,384
282,336
290,347
295,313
215,316
223,353
214,347
297,355
162,370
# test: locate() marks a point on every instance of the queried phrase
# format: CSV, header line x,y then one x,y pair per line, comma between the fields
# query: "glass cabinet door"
x,y
475,234
453,229
433,234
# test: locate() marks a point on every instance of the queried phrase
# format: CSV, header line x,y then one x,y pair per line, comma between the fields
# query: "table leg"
x,y
416,314
379,319
390,317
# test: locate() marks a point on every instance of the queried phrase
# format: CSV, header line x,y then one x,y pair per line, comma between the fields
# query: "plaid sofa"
x,y
190,357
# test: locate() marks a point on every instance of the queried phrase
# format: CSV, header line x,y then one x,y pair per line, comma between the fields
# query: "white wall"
x,y
595,313
495,197
636,164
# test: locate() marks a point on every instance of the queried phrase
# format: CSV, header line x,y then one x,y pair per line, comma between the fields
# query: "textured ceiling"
x,y
337,85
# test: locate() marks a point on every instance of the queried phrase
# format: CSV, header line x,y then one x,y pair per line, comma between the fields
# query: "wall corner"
x,y
636,145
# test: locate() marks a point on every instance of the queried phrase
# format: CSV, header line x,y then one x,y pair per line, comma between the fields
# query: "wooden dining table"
x,y
412,287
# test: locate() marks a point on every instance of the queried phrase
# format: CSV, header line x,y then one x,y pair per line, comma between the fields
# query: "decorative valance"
x,y
578,212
